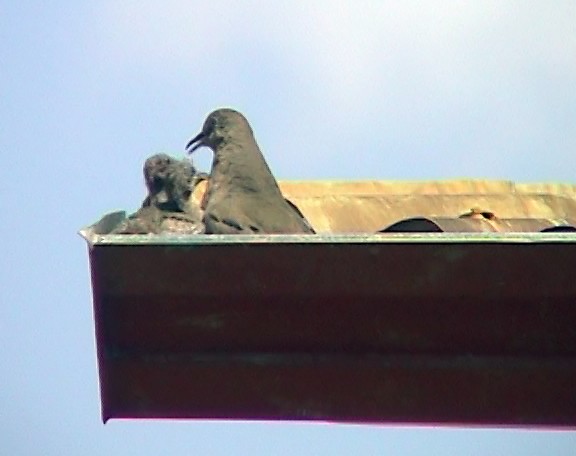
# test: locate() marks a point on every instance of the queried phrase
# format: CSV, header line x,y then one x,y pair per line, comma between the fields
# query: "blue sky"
x,y
333,89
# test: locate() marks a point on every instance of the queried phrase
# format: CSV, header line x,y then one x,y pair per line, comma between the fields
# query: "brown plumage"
x,y
243,196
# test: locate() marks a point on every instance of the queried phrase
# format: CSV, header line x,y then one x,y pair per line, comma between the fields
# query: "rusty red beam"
x,y
432,329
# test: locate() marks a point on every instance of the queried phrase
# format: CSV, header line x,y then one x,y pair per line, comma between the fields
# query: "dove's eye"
x,y
210,125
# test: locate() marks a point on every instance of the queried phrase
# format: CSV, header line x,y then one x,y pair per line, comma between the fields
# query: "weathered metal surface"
x,y
397,328
433,187
352,214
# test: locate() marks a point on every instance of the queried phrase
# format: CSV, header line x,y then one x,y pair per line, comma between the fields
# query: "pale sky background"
x,y
333,89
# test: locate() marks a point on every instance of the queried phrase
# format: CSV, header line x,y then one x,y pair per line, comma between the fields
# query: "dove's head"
x,y
218,127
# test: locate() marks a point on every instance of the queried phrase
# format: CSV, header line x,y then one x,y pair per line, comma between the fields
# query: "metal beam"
x,y
469,329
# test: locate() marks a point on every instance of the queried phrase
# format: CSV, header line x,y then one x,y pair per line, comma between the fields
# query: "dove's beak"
x,y
196,142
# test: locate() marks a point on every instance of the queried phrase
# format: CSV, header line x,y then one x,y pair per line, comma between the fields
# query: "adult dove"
x,y
243,196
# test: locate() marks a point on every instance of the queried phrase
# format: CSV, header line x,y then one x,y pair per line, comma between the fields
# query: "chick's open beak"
x,y
196,142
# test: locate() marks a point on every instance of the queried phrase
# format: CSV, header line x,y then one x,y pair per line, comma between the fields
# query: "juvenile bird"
x,y
170,183
167,208
243,196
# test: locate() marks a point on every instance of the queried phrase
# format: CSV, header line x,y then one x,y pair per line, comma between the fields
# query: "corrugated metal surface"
x,y
359,214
